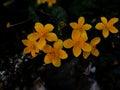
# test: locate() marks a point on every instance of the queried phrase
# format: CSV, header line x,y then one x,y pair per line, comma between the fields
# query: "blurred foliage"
x,y
18,70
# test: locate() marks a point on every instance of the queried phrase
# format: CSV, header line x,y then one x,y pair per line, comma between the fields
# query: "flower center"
x,y
33,47
108,26
42,33
80,28
80,43
54,54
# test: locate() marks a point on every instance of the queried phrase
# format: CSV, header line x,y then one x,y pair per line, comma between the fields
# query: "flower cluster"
x,y
38,40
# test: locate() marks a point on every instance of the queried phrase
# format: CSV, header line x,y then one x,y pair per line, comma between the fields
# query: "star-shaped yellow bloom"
x,y
107,26
55,53
41,1
31,47
42,34
50,2
94,51
81,26
78,42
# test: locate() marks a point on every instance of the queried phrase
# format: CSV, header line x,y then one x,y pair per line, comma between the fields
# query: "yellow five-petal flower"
x,y
50,2
94,51
107,26
81,26
42,34
31,47
55,53
41,1
78,42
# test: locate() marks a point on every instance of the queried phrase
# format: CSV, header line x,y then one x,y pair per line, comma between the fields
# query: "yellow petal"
x,y
52,1
84,36
26,50
74,25
58,44
26,42
87,26
77,51
47,49
86,54
105,32
33,36
113,29
51,37
33,54
95,52
41,43
50,4
35,48
62,54
104,20
47,59
49,27
38,1
99,26
95,41
56,62
38,26
113,21
68,43
41,1
87,47
75,34
81,21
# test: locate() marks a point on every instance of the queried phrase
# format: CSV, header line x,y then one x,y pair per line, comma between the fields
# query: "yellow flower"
x,y
50,2
78,42
107,26
55,53
80,25
42,34
31,47
41,1
94,51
